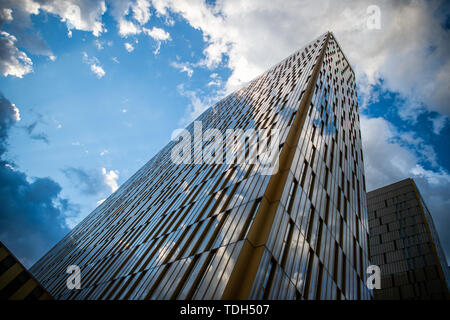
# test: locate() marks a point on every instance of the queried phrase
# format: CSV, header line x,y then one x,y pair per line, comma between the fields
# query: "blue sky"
x,y
91,90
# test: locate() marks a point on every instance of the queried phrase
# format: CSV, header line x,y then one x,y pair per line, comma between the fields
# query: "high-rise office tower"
x,y
207,227
405,245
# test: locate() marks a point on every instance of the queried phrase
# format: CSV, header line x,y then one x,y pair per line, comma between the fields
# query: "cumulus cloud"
x,y
131,17
158,35
13,61
79,15
139,11
110,178
5,15
409,52
94,64
128,46
33,215
127,28
97,70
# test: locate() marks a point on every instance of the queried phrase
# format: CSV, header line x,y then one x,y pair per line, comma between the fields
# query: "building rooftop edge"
x,y
389,185
343,54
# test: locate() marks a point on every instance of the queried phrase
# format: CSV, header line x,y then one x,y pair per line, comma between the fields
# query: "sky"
x,y
90,90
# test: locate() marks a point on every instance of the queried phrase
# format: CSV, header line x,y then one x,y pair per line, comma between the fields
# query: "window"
x,y
311,188
251,218
313,155
291,197
268,279
313,134
286,243
305,170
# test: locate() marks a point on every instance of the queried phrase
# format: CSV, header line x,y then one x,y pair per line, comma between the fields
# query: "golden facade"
x,y
227,230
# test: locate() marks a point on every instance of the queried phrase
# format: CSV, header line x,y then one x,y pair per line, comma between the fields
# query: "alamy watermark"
x,y
373,21
74,279
374,280
237,146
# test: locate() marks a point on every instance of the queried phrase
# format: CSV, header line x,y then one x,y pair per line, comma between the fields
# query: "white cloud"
x,y
128,46
15,112
439,123
5,15
13,61
94,64
157,34
127,28
99,202
141,11
98,70
102,153
78,15
183,67
115,59
110,179
215,82
409,52
10,167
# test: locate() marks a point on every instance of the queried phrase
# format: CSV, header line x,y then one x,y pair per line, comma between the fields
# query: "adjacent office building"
x,y
405,244
16,282
294,229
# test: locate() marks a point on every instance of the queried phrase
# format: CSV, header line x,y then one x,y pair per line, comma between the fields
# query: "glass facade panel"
x,y
196,230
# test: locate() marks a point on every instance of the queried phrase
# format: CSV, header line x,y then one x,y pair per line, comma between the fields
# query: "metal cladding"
x,y
239,230
405,244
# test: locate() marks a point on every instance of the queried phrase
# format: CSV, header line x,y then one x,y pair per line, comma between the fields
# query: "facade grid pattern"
x,y
225,230
404,243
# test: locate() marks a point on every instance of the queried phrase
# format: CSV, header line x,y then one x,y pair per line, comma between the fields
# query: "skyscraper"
x,y
220,222
405,245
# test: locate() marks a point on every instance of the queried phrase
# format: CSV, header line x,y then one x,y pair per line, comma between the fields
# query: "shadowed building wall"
x,y
16,283
231,230
405,244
